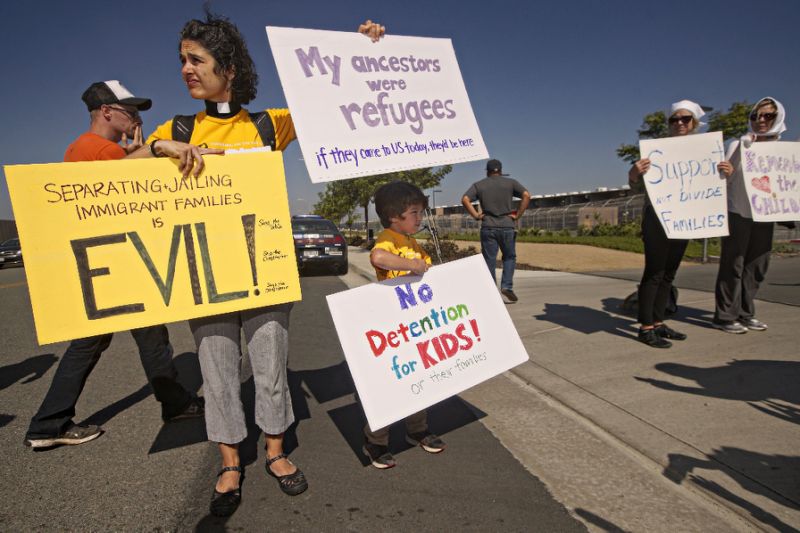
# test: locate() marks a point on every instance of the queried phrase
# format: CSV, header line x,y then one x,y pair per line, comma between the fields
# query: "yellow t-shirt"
x,y
398,244
234,133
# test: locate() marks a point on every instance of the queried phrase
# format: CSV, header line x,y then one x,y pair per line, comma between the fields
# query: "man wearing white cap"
x,y
115,118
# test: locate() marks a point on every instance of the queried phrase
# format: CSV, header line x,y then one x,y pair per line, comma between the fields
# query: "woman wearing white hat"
x,y
662,256
746,250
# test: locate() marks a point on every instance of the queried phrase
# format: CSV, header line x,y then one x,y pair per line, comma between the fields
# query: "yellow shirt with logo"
x,y
234,133
401,245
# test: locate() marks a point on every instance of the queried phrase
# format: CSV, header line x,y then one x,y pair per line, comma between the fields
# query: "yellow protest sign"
x,y
115,245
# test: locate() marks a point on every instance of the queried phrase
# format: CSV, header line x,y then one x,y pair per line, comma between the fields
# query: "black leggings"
x,y
662,257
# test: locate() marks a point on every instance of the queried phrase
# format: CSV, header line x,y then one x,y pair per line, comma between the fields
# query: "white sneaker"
x,y
752,323
729,327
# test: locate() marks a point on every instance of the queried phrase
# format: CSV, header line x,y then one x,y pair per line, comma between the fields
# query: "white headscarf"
x,y
692,107
778,126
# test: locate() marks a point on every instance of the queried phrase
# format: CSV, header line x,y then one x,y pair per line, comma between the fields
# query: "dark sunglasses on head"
x,y
686,119
755,117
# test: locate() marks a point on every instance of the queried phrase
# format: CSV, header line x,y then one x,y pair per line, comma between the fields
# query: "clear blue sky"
x,y
556,86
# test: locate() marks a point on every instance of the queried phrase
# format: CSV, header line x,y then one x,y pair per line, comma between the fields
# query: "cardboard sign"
x,y
684,185
772,179
362,108
115,245
411,342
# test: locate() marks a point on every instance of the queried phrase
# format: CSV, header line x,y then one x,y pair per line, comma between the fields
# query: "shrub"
x,y
450,250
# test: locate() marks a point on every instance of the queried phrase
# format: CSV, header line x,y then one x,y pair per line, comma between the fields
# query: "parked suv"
x,y
317,241
10,253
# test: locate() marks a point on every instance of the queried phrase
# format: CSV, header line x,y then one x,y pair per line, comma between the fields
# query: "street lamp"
x,y
433,197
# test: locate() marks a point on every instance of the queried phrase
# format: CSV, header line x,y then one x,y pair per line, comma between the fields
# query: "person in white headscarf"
x,y
662,256
746,250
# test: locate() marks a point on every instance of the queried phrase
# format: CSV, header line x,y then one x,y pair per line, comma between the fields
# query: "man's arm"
x,y
523,205
467,203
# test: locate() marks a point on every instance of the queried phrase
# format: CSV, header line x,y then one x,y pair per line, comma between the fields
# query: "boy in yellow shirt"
x,y
396,253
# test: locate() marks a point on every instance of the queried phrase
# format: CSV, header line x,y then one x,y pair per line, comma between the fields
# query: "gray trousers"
x,y
266,332
743,265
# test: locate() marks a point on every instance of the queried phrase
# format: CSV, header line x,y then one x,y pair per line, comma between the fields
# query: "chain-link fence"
x,y
613,211
569,217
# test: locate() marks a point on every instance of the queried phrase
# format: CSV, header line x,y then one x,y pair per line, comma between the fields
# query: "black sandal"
x,y
291,484
226,503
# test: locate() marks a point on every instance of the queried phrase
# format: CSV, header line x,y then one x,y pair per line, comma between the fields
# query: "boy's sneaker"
x,y
752,323
652,339
380,456
73,435
427,441
729,327
510,297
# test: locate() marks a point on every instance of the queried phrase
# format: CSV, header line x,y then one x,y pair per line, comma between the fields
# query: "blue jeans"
x,y
58,408
503,239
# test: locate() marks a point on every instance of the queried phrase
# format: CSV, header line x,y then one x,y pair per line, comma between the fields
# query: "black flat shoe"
x,y
291,484
650,338
225,503
666,332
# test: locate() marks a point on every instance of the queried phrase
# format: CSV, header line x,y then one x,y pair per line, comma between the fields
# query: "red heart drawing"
x,y
762,184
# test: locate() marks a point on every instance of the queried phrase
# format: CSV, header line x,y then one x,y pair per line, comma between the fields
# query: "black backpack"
x,y
631,303
183,125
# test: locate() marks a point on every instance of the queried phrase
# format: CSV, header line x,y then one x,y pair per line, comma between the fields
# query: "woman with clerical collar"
x,y
217,68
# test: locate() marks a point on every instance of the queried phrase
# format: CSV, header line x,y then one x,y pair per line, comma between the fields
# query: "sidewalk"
x,y
700,437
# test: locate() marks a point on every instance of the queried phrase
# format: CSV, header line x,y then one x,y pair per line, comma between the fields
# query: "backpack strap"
x,y
266,130
183,125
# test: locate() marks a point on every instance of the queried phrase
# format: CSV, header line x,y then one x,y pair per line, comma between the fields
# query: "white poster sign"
x,y
684,185
413,341
772,178
362,108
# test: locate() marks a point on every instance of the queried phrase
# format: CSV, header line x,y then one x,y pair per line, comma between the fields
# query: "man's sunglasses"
x,y
686,119
133,115
766,116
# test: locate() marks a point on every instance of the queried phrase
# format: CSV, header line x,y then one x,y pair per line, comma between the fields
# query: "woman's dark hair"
x,y
223,41
392,199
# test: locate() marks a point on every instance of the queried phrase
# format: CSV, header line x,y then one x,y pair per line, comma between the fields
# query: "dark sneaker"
x,y
666,332
651,338
729,327
509,294
753,324
195,409
73,435
427,441
380,456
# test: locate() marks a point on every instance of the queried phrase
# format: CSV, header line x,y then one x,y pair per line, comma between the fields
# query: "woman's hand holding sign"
x,y
189,155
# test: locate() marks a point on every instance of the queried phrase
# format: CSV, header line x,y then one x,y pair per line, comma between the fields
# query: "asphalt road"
x,y
142,475
781,286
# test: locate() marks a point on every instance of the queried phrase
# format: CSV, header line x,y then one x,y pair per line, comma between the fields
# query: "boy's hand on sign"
x,y
418,266
135,143
373,30
725,168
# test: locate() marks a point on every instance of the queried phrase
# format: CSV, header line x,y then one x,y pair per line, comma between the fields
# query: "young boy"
x,y
400,206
